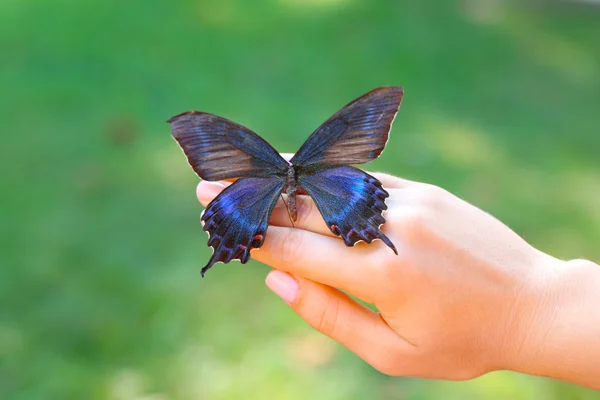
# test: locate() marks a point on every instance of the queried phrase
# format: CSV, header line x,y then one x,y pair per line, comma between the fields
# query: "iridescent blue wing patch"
x,y
355,134
351,203
217,148
236,220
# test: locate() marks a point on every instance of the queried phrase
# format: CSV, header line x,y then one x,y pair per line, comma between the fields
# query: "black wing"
x,y
217,148
356,134
350,201
236,220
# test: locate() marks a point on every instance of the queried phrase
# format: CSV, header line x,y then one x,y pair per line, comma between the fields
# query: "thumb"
x,y
338,316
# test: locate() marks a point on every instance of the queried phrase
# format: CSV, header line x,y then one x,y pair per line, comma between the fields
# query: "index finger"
x,y
326,260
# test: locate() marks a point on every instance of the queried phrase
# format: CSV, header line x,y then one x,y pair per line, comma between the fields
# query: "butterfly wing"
x,y
356,134
350,201
236,220
217,148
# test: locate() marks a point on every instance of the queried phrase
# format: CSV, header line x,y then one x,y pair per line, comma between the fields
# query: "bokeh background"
x,y
100,291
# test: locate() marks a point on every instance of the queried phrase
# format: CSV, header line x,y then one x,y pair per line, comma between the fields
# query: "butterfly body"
x,y
350,200
290,189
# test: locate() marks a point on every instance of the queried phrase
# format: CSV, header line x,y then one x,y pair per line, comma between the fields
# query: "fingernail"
x,y
283,285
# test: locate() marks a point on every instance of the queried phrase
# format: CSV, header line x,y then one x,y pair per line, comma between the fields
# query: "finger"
x,y
308,217
287,156
311,219
206,191
393,182
336,315
326,260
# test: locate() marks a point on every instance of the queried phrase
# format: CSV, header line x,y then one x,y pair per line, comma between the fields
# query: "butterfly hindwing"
x,y
350,201
217,148
356,134
236,220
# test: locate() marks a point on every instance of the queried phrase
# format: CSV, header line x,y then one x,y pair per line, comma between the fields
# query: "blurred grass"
x,y
101,245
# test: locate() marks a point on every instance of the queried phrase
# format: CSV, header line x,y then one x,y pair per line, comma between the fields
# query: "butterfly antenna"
x,y
288,210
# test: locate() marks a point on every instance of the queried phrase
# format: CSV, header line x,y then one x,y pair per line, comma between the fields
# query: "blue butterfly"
x,y
350,200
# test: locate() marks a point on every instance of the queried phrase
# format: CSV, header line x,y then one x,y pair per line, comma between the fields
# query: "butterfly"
x,y
350,201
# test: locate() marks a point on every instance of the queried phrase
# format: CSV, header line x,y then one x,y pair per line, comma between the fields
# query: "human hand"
x,y
465,295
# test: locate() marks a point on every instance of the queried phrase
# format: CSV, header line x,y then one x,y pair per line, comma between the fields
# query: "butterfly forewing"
x,y
350,201
236,220
354,135
217,148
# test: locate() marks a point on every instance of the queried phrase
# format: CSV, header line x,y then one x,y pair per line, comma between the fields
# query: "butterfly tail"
x,y
387,241
351,203
236,220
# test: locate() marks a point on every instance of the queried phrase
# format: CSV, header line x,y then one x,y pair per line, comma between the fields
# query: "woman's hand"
x,y
465,295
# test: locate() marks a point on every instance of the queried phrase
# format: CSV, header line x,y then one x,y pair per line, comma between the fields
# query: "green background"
x,y
100,291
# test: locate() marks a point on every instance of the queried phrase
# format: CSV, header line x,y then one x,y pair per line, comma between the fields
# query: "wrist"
x,y
558,329
531,307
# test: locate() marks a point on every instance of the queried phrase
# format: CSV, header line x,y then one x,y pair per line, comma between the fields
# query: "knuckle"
x,y
386,364
414,223
393,279
328,318
291,245
428,196
384,178
394,359
384,263
305,209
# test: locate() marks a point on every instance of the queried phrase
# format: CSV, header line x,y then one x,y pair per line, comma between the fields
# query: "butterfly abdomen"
x,y
291,188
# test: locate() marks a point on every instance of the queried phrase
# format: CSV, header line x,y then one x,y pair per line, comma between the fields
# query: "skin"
x,y
465,296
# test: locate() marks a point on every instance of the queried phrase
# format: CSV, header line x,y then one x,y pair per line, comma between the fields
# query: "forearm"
x,y
563,341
